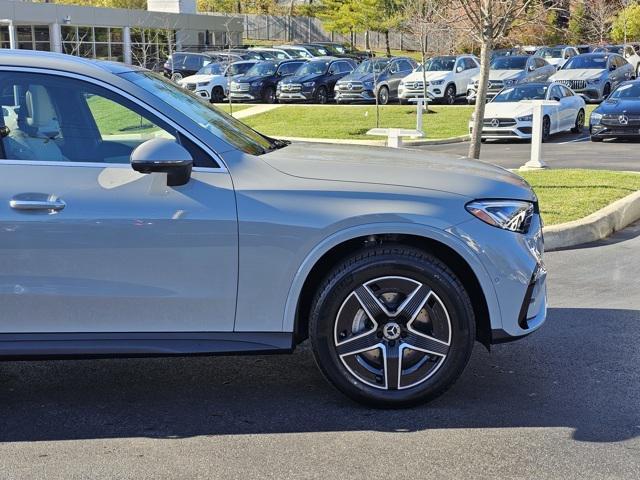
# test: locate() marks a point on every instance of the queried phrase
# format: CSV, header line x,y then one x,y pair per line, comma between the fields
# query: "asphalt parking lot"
x,y
563,151
564,403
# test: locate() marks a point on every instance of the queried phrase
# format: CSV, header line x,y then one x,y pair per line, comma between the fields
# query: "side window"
x,y
289,68
52,118
405,66
346,67
566,91
555,92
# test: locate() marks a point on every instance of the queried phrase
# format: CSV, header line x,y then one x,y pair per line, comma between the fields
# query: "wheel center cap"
x,y
391,331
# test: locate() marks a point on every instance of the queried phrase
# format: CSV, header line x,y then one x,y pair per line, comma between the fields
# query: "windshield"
x,y
522,92
313,68
317,51
262,69
587,61
631,90
619,49
211,69
509,63
206,115
550,52
238,68
368,66
439,64
295,53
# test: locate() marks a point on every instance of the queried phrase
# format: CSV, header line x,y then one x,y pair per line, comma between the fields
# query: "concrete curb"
x,y
378,143
596,226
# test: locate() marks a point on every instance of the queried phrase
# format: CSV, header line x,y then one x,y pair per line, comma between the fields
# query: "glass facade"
x,y
28,37
150,47
104,43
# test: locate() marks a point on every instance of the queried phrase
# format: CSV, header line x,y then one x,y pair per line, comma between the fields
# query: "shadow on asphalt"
x,y
579,372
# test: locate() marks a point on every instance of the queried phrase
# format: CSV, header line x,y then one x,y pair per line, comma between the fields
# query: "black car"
x,y
378,76
619,115
184,64
345,50
315,80
260,82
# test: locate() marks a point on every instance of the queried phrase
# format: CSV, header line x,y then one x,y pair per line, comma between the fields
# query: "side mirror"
x,y
532,68
612,68
557,99
458,70
162,155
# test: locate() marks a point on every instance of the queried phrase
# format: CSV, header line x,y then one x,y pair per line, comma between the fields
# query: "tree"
x,y
626,25
488,21
340,16
600,15
577,23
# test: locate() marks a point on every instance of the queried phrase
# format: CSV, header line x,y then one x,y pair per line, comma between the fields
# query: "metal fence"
x,y
289,29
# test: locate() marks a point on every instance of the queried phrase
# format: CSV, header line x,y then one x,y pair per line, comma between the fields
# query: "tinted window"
x,y
629,90
566,91
289,68
522,92
239,68
53,118
550,53
207,116
556,92
440,64
509,63
598,62
313,68
368,66
262,69
343,67
405,65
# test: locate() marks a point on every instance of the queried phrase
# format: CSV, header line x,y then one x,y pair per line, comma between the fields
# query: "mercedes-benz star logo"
x,y
623,119
495,122
391,331
350,86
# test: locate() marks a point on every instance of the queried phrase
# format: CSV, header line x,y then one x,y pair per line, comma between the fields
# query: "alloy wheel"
x,y
383,96
450,95
392,333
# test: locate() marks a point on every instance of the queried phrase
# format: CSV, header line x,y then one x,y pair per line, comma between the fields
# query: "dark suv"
x,y
185,64
315,80
260,82
379,76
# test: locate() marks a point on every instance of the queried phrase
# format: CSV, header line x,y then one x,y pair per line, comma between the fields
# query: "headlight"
x,y
595,118
202,84
234,85
594,81
526,118
309,84
508,83
401,83
368,85
437,82
512,215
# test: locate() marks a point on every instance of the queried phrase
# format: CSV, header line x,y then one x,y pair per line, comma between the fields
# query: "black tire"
x,y
217,95
546,129
322,97
403,101
402,264
606,91
471,102
579,125
596,139
383,95
449,97
176,76
269,95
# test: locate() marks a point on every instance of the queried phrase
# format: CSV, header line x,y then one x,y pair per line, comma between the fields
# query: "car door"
x,y
88,244
337,70
555,111
398,70
569,107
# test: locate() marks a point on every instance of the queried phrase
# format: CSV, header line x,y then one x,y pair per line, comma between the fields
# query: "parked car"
x,y
184,64
510,113
296,51
447,79
379,76
212,81
345,50
509,70
237,55
557,55
629,53
594,75
272,53
619,115
163,242
587,48
314,81
260,81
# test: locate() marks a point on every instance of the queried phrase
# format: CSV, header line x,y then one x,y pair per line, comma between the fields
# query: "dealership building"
x,y
141,37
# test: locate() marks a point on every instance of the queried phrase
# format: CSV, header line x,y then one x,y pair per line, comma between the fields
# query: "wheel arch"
x,y
459,257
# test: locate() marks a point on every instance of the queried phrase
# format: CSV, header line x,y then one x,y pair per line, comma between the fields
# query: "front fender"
x,y
424,231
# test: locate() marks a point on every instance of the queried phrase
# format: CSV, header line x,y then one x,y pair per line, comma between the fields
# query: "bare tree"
x,y
599,16
423,18
488,21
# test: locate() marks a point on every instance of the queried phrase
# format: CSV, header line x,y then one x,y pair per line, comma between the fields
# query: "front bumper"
x,y
306,94
472,94
515,263
346,96
518,130
242,97
614,131
433,92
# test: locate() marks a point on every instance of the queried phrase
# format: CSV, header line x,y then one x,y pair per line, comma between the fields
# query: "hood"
x,y
251,79
198,78
301,78
507,109
358,77
556,62
577,74
615,106
405,168
500,75
431,76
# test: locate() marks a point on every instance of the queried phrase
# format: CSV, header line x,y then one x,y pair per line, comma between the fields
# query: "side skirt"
x,y
27,346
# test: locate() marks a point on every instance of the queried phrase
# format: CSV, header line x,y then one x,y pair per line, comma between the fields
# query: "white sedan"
x,y
510,113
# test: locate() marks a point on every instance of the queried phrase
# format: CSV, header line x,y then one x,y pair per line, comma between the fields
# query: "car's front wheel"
x,y
383,96
579,125
217,95
392,326
322,97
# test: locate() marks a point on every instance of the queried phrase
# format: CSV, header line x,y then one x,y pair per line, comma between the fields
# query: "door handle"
x,y
31,202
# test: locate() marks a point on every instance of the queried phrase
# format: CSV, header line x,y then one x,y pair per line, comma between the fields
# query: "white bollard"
x,y
536,161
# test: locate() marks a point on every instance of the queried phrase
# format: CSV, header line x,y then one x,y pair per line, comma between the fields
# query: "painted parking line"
x,y
580,139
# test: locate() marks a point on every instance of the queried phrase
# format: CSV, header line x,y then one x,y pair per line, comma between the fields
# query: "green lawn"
x,y
114,119
567,195
352,122
236,107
